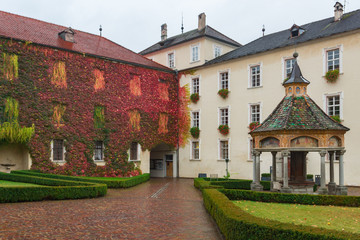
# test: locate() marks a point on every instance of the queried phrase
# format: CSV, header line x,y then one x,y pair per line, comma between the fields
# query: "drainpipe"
x,y
178,146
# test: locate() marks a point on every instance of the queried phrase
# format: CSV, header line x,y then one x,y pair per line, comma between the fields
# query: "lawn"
x,y
4,183
329,217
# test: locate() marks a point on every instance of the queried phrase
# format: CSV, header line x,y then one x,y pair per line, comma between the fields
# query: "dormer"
x,y
67,35
338,11
296,31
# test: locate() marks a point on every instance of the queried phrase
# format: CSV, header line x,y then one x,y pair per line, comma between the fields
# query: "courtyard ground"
x,y
157,209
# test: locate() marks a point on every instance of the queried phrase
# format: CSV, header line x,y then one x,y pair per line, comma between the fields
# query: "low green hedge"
x,y
51,189
202,183
235,223
111,183
307,199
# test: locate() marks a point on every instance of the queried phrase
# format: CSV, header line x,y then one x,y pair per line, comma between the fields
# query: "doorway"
x,y
298,167
163,161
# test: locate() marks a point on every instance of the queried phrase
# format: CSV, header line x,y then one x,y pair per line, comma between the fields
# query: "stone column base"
x,y
341,190
256,187
286,190
332,188
323,190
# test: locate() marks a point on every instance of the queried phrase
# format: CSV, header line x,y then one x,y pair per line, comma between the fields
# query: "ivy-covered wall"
x,y
83,99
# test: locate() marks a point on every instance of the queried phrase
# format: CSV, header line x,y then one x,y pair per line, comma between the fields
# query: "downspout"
x,y
178,132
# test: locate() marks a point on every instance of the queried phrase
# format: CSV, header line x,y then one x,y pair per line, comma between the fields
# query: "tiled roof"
x,y
299,113
315,30
36,31
190,35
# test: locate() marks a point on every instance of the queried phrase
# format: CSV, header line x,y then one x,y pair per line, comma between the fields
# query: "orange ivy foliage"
x,y
163,91
10,66
135,86
135,120
163,122
99,80
58,114
58,77
184,115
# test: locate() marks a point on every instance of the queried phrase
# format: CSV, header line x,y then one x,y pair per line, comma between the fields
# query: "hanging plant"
x,y
253,125
195,132
224,129
194,97
336,118
223,93
332,75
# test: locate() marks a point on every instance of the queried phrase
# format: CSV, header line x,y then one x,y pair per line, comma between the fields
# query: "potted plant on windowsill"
x,y
332,75
336,118
195,132
194,97
265,177
223,93
224,129
253,125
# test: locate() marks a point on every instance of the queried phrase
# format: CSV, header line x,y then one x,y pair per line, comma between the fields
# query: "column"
x,y
322,189
254,166
305,166
332,184
285,187
255,185
342,190
257,156
273,174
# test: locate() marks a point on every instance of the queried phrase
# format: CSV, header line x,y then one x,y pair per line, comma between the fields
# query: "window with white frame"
x,y
255,113
195,85
333,105
224,80
289,63
99,151
224,116
58,150
134,154
217,51
255,75
224,149
333,59
195,150
195,119
195,53
171,60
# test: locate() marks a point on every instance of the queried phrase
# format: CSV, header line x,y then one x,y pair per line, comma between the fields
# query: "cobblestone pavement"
x,y
158,209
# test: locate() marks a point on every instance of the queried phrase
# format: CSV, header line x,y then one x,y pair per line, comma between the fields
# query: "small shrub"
x,y
224,129
332,75
194,97
336,118
223,93
253,125
195,132
266,175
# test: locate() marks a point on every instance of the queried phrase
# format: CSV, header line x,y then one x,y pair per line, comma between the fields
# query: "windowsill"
x,y
195,61
99,161
336,161
58,161
135,160
222,160
195,160
342,73
249,160
254,87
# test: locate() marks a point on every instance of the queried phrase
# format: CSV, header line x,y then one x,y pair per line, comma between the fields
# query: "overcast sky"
x,y
135,24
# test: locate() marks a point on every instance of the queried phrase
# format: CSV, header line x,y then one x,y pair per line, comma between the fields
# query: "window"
x,y
255,76
224,116
224,80
217,51
99,151
333,105
255,113
289,63
251,148
224,149
195,150
333,59
134,151
194,53
171,60
196,119
58,150
195,85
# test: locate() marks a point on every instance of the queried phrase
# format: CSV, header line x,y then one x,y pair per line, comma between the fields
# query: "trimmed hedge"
x,y
307,199
53,189
235,223
111,183
202,183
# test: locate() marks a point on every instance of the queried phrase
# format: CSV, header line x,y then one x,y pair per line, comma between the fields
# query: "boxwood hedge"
x,y
50,189
227,184
111,183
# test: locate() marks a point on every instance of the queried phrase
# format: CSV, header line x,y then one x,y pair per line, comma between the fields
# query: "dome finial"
x,y
295,55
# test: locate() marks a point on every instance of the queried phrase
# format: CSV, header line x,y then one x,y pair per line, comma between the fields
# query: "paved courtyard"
x,y
158,209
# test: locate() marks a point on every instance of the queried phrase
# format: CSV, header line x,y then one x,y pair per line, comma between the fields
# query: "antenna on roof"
x,y
263,30
100,29
182,23
344,5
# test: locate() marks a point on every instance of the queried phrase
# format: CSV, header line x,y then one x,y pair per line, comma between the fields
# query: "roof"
x,y
296,75
315,30
207,31
36,31
298,113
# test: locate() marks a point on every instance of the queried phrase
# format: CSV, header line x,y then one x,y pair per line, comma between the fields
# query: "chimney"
x,y
67,35
163,32
202,21
339,9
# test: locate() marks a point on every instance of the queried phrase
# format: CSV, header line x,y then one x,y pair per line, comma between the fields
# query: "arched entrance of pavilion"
x,y
163,161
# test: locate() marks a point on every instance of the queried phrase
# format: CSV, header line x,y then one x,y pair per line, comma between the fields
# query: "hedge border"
x,y
235,223
51,189
121,183
203,183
